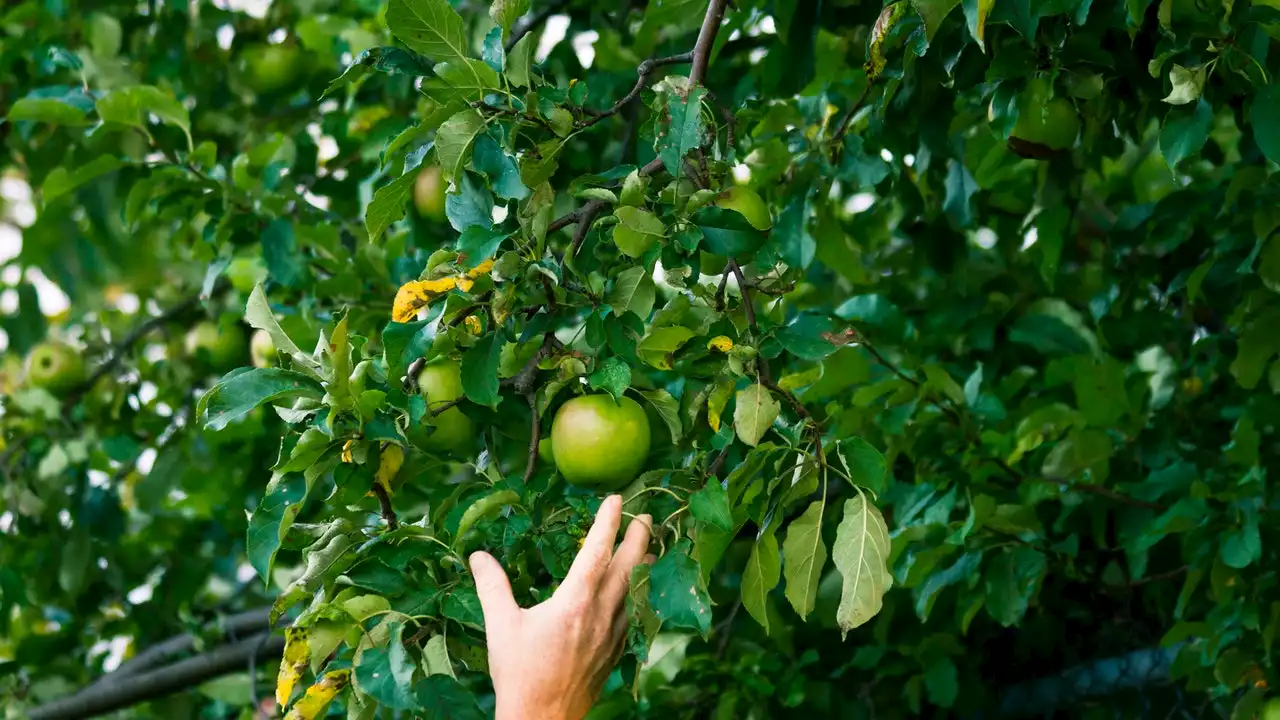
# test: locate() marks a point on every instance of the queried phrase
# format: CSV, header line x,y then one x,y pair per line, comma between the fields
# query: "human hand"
x,y
549,662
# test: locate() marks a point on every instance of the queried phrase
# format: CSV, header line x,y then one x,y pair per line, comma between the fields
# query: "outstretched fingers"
x,y
631,552
494,589
592,563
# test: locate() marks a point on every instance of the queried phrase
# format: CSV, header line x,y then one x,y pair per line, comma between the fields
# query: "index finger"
x,y
592,562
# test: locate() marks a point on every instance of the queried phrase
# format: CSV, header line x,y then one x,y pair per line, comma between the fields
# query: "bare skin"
x,y
550,661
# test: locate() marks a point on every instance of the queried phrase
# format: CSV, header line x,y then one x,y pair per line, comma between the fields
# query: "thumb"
x,y
496,600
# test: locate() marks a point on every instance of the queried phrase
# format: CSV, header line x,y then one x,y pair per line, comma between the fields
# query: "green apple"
x,y
217,348
747,203
598,443
262,349
245,272
429,193
1271,711
1045,121
55,366
440,382
545,452
272,67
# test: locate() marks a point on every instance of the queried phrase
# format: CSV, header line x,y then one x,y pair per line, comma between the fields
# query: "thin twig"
x,y
736,269
445,406
120,349
714,469
843,126
584,226
522,29
1169,575
535,436
384,500
643,70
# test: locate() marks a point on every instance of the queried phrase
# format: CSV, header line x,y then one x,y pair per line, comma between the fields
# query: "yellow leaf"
x,y
481,269
346,451
721,343
473,324
410,298
297,655
392,459
316,701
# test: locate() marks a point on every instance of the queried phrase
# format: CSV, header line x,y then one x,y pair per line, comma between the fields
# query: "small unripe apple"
x,y
216,347
429,193
262,349
55,366
440,382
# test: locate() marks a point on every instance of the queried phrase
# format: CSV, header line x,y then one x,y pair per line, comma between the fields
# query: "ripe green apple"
x,y
429,193
1051,122
746,202
55,366
272,67
598,443
216,347
441,382
262,349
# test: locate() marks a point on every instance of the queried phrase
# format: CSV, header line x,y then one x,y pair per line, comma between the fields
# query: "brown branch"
x,y
643,70
522,29
230,626
843,126
706,39
535,436
120,349
1168,575
584,226
180,676
736,269
384,501
717,464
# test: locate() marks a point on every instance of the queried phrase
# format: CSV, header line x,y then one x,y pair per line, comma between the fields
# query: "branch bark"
x,y
120,349
250,621
182,675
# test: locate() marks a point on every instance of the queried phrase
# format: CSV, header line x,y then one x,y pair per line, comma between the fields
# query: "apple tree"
x,y
937,338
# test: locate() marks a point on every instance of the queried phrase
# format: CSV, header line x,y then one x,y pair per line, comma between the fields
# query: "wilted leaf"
x,y
861,552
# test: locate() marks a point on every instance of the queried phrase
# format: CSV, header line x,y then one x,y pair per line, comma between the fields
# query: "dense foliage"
x,y
954,323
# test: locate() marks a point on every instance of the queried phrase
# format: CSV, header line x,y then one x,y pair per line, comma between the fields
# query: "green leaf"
x,y
933,12
385,673
480,370
1011,581
727,232
1243,547
961,570
861,552
257,313
472,204
519,60
613,376
459,81
761,576
388,205
1264,117
130,106
711,505
487,157
1185,133
240,392
441,697
975,15
477,244
1079,451
56,110
430,27
941,681
637,230
285,263
463,606
806,337
435,659
506,12
960,187
754,413
389,60
668,409
804,554
682,129
658,347
633,291
1188,84
791,233
455,136
60,181
677,592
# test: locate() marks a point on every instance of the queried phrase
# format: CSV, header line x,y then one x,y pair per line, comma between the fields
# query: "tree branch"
x,y
643,71
230,626
706,39
182,675
843,126
120,349
522,29
384,502
535,436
